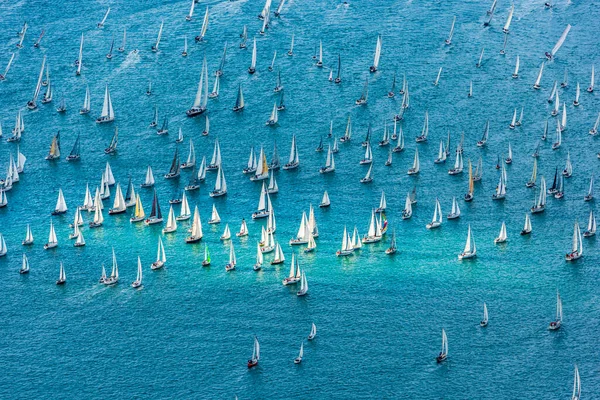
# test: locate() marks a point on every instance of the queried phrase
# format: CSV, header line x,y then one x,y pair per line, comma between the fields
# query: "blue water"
x,y
188,332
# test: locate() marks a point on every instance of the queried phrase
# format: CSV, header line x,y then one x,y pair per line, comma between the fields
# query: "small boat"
x,y
471,193
164,129
392,249
28,237
226,233
215,218
220,188
244,36
577,246
557,323
338,78
110,51
3,247
540,204
536,85
98,217
364,97
500,193
75,153
594,130
86,102
174,171
122,48
32,104
196,233
138,280
155,215
52,240
590,88
437,216
437,79
161,258
79,240
425,130
502,237
62,276
590,194
54,152
101,23
527,228
201,99
416,164
329,163
113,279
303,286
171,222
295,274
108,114
373,68
444,352
591,228
506,27
531,182
79,61
61,205
279,257
274,117
448,41
484,321
278,85
313,331
253,362
470,250
455,211
200,37
458,164
291,50
568,170
3,75
24,265
515,74
576,385
470,93
298,359
230,266
252,68
325,202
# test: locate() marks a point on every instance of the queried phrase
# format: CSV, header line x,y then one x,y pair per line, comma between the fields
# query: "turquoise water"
x,y
188,332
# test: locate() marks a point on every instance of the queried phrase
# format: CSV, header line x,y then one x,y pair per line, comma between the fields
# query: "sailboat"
x,y
416,164
200,37
252,68
196,233
215,162
576,385
392,249
261,172
32,104
590,88
444,352
325,202
506,27
577,245
220,188
591,227
62,276
174,171
291,50
86,102
594,129
590,194
368,158
54,152
278,84
48,94
201,99
458,164
373,68
164,129
114,141
101,23
575,102
500,193
61,205
556,324
3,248
113,279
149,180
437,79
161,258
138,280
3,75
298,359
338,78
531,182
110,51
171,222
230,266
52,240
79,61
274,117
470,250
329,163
253,362
155,215
448,41
364,95
502,237
108,113
484,321
568,171
24,265
455,211
536,85
122,48
303,285
28,236
425,130
558,140
515,74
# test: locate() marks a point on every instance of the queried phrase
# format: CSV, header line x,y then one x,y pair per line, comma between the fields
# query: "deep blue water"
x,y
188,332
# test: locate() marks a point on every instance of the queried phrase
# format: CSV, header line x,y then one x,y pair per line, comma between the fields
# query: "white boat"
x,y
261,172
215,162
550,55
226,233
62,276
52,240
416,164
455,211
313,331
506,28
215,218
484,321
575,102
220,188
557,323
375,66
303,285
502,237
61,205
407,211
274,117
568,171
558,137
436,221
255,354
272,188
191,13
113,279
364,97
304,232
171,222
3,75
28,236
458,164
500,193
577,245
590,88
590,194
161,258
591,227
196,234
86,102
259,258
32,104
279,257
444,351
329,163
3,247
437,79
536,85
448,41
480,61
138,280
252,68
108,113
470,250
298,359
24,265
425,130
325,201
101,23
368,157
79,61
243,229
184,212
576,385
200,37
230,266
201,99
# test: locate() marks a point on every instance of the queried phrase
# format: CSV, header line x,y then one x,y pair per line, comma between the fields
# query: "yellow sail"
x,y
139,208
265,168
471,188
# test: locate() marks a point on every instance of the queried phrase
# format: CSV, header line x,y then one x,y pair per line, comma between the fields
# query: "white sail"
x,y
377,52
561,40
108,114
509,19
